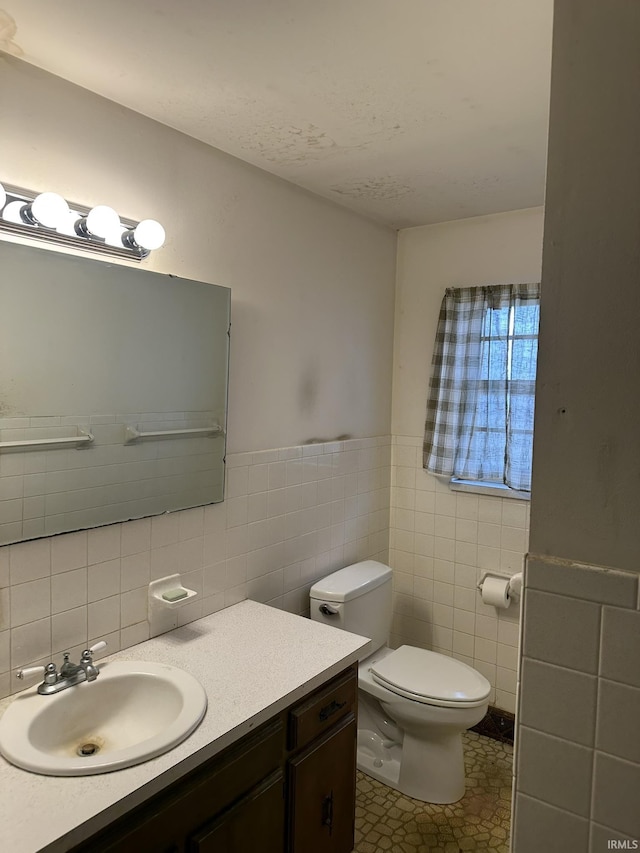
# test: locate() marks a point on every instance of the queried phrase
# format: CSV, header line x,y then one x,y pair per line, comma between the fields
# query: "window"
x,y
479,424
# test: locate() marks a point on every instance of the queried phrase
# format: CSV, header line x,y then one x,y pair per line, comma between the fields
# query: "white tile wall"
x,y
578,739
440,544
291,515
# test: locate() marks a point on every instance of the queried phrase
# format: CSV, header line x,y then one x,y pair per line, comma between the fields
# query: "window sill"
x,y
493,490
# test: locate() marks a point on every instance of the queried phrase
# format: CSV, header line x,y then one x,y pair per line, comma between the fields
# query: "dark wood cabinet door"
x,y
322,793
256,823
165,822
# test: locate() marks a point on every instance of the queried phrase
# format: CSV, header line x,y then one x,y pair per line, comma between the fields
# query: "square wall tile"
x,y
136,537
134,634
4,566
135,570
104,580
558,701
29,561
592,583
554,771
615,794
104,543
165,530
563,631
30,601
620,654
506,701
68,629
602,836
618,731
104,616
134,606
68,590
514,513
540,827
30,643
490,509
68,551
5,651
191,523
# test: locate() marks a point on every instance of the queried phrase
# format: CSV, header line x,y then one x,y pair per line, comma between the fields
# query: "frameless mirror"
x,y
113,390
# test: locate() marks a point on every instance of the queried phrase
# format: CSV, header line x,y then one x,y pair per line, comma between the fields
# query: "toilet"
x,y
413,704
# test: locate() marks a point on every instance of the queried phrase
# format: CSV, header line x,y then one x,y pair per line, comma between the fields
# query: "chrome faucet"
x,y
70,673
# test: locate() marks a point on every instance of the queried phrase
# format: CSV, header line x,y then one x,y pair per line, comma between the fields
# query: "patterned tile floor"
x,y
390,822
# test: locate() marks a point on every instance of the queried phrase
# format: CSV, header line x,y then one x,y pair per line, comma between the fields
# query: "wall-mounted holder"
x,y
500,590
166,595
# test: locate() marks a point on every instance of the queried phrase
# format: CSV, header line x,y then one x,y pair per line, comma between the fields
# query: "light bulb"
x,y
149,234
49,209
3,197
102,221
68,225
12,212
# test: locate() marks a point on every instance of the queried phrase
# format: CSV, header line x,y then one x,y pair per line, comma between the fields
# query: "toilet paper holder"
x,y
514,582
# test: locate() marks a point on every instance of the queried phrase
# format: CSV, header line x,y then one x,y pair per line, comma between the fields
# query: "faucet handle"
x,y
29,672
87,654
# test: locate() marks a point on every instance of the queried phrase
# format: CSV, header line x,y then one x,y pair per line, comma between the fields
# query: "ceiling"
x,y
407,111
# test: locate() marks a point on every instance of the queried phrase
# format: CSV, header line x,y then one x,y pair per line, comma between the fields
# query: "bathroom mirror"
x,y
113,390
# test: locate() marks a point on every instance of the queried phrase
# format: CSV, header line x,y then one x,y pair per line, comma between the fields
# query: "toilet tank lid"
x,y
351,582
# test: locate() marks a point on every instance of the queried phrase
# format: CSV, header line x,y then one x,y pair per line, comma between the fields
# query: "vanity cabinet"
x,y
288,787
321,769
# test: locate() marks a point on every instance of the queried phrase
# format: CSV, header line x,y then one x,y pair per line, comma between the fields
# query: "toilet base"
x,y
434,771
378,758
431,774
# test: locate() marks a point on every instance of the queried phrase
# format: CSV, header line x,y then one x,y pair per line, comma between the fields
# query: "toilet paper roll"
x,y
495,591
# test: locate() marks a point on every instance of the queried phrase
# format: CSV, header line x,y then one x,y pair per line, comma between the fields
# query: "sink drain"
x,y
86,749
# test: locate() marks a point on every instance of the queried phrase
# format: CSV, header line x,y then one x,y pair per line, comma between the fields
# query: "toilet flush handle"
x,y
327,610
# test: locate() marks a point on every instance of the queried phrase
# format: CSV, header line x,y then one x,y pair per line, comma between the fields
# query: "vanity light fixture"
x,y
47,216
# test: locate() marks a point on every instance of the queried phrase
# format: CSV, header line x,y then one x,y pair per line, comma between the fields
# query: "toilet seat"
x,y
430,678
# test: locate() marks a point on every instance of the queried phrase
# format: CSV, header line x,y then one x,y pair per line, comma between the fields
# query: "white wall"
x,y
442,541
312,284
311,358
503,248
578,769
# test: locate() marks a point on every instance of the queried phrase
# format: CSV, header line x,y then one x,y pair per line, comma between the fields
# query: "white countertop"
x,y
252,660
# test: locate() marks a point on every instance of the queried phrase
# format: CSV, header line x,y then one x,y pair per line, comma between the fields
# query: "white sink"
x,y
132,712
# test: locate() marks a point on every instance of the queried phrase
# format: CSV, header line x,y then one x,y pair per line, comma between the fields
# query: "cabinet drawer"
x,y
322,709
255,823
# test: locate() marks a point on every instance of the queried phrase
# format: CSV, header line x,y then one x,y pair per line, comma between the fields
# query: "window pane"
x,y
524,358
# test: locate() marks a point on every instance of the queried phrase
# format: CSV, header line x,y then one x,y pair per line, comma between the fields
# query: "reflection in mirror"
x,y
113,389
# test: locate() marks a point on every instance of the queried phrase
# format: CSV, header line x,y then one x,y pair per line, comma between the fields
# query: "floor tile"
x,y
389,822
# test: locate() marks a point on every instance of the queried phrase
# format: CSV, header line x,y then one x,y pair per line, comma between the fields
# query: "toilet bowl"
x,y
413,704
409,743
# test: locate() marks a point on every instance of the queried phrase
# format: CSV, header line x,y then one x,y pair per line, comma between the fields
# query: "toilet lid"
x,y
431,678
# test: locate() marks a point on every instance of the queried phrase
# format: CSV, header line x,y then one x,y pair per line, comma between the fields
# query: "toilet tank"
x,y
357,599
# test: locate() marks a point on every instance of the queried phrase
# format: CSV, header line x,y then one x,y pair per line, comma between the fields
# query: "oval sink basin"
x,y
132,712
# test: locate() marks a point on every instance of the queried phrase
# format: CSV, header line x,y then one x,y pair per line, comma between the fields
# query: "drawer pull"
x,y
331,709
327,812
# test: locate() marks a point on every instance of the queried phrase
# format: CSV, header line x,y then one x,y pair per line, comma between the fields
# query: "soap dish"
x,y
166,586
161,617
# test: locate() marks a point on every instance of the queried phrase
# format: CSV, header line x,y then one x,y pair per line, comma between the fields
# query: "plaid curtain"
x,y
479,423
